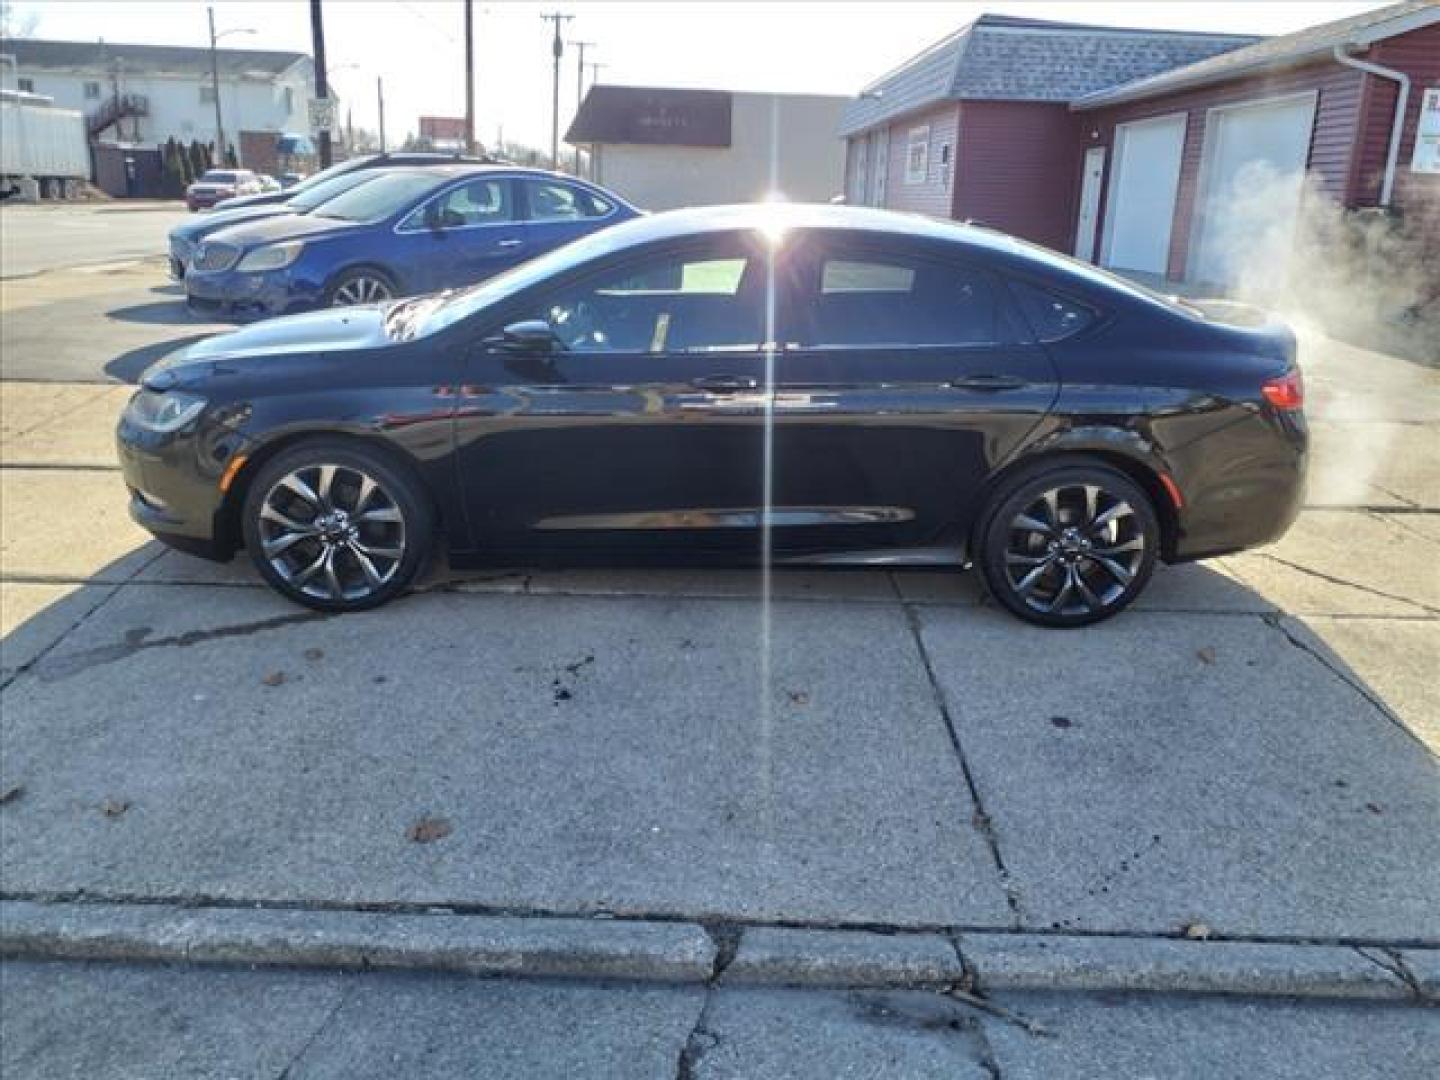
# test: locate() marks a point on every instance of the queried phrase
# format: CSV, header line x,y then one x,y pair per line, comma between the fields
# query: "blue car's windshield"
x,y
381,197
326,190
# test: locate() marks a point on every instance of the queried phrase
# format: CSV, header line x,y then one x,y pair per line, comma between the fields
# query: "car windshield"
x,y
315,179
465,302
382,197
214,177
331,188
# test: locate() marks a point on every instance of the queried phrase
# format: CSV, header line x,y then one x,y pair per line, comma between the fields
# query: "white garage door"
x,y
1251,176
1141,204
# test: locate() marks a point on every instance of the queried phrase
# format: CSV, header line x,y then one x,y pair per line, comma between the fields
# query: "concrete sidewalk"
x,y
109,1020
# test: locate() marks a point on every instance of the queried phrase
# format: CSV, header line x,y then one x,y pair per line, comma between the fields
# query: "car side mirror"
x,y
530,336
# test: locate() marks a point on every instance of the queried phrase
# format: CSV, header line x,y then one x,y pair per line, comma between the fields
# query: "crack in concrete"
x,y
982,820
1331,579
1391,961
69,666
329,1019
1276,621
725,936
199,902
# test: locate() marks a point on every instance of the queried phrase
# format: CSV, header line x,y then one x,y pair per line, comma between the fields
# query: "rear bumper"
x,y
1243,486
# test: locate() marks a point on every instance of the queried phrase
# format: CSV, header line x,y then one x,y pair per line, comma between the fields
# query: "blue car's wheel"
x,y
363,285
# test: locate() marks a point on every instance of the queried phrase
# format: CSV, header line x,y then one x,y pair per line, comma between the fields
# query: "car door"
x,y
467,232
557,212
641,426
905,379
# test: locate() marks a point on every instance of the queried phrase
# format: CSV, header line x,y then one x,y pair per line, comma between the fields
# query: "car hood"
x,y
263,198
195,228
279,227
334,330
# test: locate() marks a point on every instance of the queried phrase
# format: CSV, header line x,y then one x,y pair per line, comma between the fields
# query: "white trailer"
x,y
40,141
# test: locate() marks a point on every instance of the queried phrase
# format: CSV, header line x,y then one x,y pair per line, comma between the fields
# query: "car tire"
x,y
361,285
337,526
1067,544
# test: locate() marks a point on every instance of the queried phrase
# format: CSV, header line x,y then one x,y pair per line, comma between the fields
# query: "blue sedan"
x,y
407,231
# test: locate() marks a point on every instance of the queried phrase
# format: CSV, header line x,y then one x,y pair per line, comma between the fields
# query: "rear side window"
x,y
880,300
551,201
1051,317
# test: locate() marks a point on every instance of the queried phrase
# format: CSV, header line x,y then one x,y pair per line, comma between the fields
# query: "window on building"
x,y
92,90
917,155
289,100
27,86
874,300
207,93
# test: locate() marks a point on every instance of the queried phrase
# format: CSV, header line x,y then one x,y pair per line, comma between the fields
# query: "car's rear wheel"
x,y
363,285
337,527
1068,545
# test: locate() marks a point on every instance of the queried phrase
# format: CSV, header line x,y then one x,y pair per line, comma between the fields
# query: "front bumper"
x,y
174,485
231,294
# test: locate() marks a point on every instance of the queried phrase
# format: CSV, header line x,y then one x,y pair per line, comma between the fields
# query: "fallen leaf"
x,y
11,793
1207,654
1374,808
314,654
275,678
1196,931
429,829
113,808
1062,721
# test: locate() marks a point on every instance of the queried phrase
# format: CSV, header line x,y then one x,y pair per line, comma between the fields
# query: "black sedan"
x,y
826,385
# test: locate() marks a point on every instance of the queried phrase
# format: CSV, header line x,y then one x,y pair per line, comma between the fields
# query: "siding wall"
x,y
935,195
1338,112
1417,54
1018,169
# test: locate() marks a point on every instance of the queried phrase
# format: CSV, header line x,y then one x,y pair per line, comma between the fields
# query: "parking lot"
x,y
1249,754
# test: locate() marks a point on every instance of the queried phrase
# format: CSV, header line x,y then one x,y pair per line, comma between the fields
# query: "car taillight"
x,y
1286,392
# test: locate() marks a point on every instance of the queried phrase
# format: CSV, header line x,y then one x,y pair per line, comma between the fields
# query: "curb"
x,y
652,950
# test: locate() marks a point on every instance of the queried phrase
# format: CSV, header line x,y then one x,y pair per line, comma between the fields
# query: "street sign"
x,y
322,114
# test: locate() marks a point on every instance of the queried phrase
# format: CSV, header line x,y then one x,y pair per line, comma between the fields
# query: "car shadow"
x,y
156,313
129,366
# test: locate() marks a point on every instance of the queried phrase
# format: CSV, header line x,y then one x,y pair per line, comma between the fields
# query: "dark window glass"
x,y
92,89
480,202
551,201
872,300
1051,317
27,86
675,303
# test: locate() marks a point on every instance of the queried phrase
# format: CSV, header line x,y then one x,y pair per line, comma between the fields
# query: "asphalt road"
x,y
40,237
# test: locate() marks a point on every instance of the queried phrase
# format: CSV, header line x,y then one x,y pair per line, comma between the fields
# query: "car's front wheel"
x,y
1068,545
336,526
363,285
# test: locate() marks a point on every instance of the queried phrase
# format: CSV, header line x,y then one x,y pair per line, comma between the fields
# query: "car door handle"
x,y
988,382
725,384
510,243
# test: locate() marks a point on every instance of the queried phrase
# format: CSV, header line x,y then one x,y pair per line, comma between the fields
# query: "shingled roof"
x,y
100,58
1001,58
1297,48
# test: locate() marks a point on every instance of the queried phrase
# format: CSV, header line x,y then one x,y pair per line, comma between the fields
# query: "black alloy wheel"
x,y
337,527
1068,545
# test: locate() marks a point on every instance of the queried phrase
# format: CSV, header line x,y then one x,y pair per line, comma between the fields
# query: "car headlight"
x,y
271,257
163,412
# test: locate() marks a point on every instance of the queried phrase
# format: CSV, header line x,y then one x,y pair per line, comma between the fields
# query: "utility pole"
x,y
469,78
557,50
322,90
214,82
380,98
580,47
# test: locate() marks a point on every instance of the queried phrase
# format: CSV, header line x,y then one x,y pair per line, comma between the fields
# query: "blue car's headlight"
x,y
271,257
163,412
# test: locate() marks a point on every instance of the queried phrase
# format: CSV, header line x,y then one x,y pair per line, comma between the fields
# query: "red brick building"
x,y
1051,132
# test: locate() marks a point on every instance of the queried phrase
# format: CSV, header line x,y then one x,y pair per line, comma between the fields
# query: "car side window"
x,y
1052,317
480,202
551,200
865,300
673,303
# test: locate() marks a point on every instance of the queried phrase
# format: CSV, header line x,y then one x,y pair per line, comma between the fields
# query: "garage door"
x,y
1141,200
1251,176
